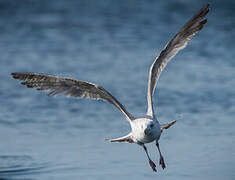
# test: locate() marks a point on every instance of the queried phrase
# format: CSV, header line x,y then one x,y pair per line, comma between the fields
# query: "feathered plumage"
x,y
69,87
179,41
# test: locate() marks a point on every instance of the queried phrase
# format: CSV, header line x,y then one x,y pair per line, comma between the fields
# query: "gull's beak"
x,y
145,131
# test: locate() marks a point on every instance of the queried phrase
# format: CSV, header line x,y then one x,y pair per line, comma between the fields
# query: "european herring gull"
x,y
144,129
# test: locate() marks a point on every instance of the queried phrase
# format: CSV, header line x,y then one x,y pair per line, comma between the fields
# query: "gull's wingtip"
x,y
14,75
17,75
205,10
207,7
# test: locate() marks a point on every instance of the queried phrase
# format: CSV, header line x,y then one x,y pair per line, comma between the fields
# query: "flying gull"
x,y
144,129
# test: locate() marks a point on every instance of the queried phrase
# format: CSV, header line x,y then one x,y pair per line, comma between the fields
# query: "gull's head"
x,y
145,129
149,127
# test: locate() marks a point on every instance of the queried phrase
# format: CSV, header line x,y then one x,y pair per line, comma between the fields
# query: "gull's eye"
x,y
151,125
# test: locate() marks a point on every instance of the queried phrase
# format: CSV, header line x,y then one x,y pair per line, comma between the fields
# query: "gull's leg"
x,y
161,161
151,163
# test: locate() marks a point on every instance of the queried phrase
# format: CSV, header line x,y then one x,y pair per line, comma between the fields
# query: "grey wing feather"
x,y
69,87
179,41
128,138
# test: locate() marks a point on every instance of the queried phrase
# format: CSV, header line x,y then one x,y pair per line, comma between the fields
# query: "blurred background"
x,y
113,43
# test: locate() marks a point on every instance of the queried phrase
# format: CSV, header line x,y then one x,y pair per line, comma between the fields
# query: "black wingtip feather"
x,y
26,84
202,23
203,12
14,75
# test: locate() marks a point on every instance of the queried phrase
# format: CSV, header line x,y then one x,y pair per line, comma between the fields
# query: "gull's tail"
x,y
128,138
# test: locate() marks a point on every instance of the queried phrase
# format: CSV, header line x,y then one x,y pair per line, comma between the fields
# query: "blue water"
x,y
113,43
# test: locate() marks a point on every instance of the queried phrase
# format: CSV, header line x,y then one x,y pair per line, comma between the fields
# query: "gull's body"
x,y
145,129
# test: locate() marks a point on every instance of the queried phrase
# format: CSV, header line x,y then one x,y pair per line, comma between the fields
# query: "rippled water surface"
x,y
113,43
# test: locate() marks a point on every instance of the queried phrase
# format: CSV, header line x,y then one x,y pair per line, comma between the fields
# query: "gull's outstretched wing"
x,y
69,87
180,40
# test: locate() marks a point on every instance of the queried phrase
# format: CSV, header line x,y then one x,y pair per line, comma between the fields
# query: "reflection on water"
x,y
113,43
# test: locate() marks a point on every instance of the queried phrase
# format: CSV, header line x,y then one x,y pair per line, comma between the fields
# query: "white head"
x,y
143,128
149,127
